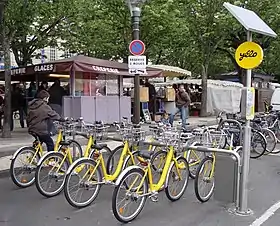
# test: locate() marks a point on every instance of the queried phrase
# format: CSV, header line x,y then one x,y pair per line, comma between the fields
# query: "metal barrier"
x,y
238,160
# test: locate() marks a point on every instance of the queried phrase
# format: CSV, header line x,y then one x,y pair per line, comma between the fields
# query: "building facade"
x,y
45,55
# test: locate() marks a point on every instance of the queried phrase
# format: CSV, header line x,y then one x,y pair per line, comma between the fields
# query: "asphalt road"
x,y
26,207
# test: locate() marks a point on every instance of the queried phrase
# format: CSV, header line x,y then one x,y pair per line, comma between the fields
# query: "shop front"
x,y
96,86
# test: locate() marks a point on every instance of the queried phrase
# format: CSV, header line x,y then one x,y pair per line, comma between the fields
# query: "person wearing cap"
x,y
38,115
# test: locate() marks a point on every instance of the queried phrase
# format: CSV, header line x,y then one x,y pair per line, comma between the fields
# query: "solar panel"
x,y
250,20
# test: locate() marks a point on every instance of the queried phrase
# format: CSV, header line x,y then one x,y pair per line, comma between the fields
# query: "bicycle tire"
x,y
254,142
270,147
111,161
169,194
119,187
37,176
12,168
193,171
80,150
67,182
196,181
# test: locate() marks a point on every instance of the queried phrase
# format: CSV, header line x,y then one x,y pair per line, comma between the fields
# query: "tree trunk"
x,y
203,111
7,106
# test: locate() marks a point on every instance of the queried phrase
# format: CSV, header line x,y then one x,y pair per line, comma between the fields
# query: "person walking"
x,y
21,93
183,102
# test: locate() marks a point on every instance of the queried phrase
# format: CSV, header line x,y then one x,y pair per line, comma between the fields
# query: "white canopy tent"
x,y
171,71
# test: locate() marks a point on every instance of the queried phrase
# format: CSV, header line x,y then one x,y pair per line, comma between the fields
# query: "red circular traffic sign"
x,y
137,47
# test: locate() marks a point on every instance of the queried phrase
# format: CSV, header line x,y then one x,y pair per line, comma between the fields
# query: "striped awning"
x,y
170,71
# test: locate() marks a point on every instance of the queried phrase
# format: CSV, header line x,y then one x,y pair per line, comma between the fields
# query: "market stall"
x,y
221,95
95,86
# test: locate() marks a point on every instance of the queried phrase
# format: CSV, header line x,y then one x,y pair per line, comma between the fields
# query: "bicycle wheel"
x,y
130,197
80,180
106,153
113,159
157,162
258,145
270,140
50,174
174,179
22,163
194,158
204,180
75,148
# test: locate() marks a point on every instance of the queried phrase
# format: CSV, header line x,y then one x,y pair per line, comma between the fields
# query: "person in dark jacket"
x,y
43,86
183,102
22,105
39,112
56,97
1,110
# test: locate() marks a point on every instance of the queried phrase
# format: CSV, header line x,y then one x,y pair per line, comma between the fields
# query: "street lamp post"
x,y
135,12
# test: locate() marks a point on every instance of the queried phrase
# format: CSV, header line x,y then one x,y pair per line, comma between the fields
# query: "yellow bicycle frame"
x,y
114,176
148,172
39,148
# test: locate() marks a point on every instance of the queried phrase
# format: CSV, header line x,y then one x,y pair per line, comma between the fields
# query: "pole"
x,y
7,66
136,12
243,198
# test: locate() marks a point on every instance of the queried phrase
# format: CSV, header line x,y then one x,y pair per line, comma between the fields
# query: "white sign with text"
x,y
137,62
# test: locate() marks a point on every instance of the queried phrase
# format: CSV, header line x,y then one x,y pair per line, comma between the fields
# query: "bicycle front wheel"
x,y
271,140
258,145
204,182
82,183
50,174
134,197
23,167
178,178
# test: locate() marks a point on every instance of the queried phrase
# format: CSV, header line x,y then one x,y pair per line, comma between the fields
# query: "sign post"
x,y
248,56
137,66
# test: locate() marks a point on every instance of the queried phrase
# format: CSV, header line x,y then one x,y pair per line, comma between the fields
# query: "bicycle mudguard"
x,y
18,150
122,174
78,160
43,157
167,175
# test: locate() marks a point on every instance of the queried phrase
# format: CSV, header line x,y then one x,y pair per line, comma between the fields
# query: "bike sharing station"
x,y
137,66
249,55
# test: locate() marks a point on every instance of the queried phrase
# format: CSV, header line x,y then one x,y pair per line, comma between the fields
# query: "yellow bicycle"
x,y
94,172
25,160
52,167
137,184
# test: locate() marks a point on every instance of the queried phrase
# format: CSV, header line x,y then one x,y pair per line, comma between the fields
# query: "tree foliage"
x,y
34,24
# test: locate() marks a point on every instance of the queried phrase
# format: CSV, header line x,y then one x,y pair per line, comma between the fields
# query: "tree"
x,y
36,24
103,29
206,34
6,36
268,11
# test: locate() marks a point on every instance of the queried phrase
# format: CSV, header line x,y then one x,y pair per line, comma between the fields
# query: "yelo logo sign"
x,y
249,55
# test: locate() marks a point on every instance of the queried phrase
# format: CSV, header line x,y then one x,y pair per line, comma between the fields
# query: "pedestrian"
x,y
21,93
1,110
182,101
31,92
43,86
39,112
56,98
152,96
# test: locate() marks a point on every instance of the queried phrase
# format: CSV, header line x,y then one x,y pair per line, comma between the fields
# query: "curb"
x,y
6,172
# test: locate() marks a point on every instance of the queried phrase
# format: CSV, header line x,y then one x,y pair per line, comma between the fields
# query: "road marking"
x,y
267,214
